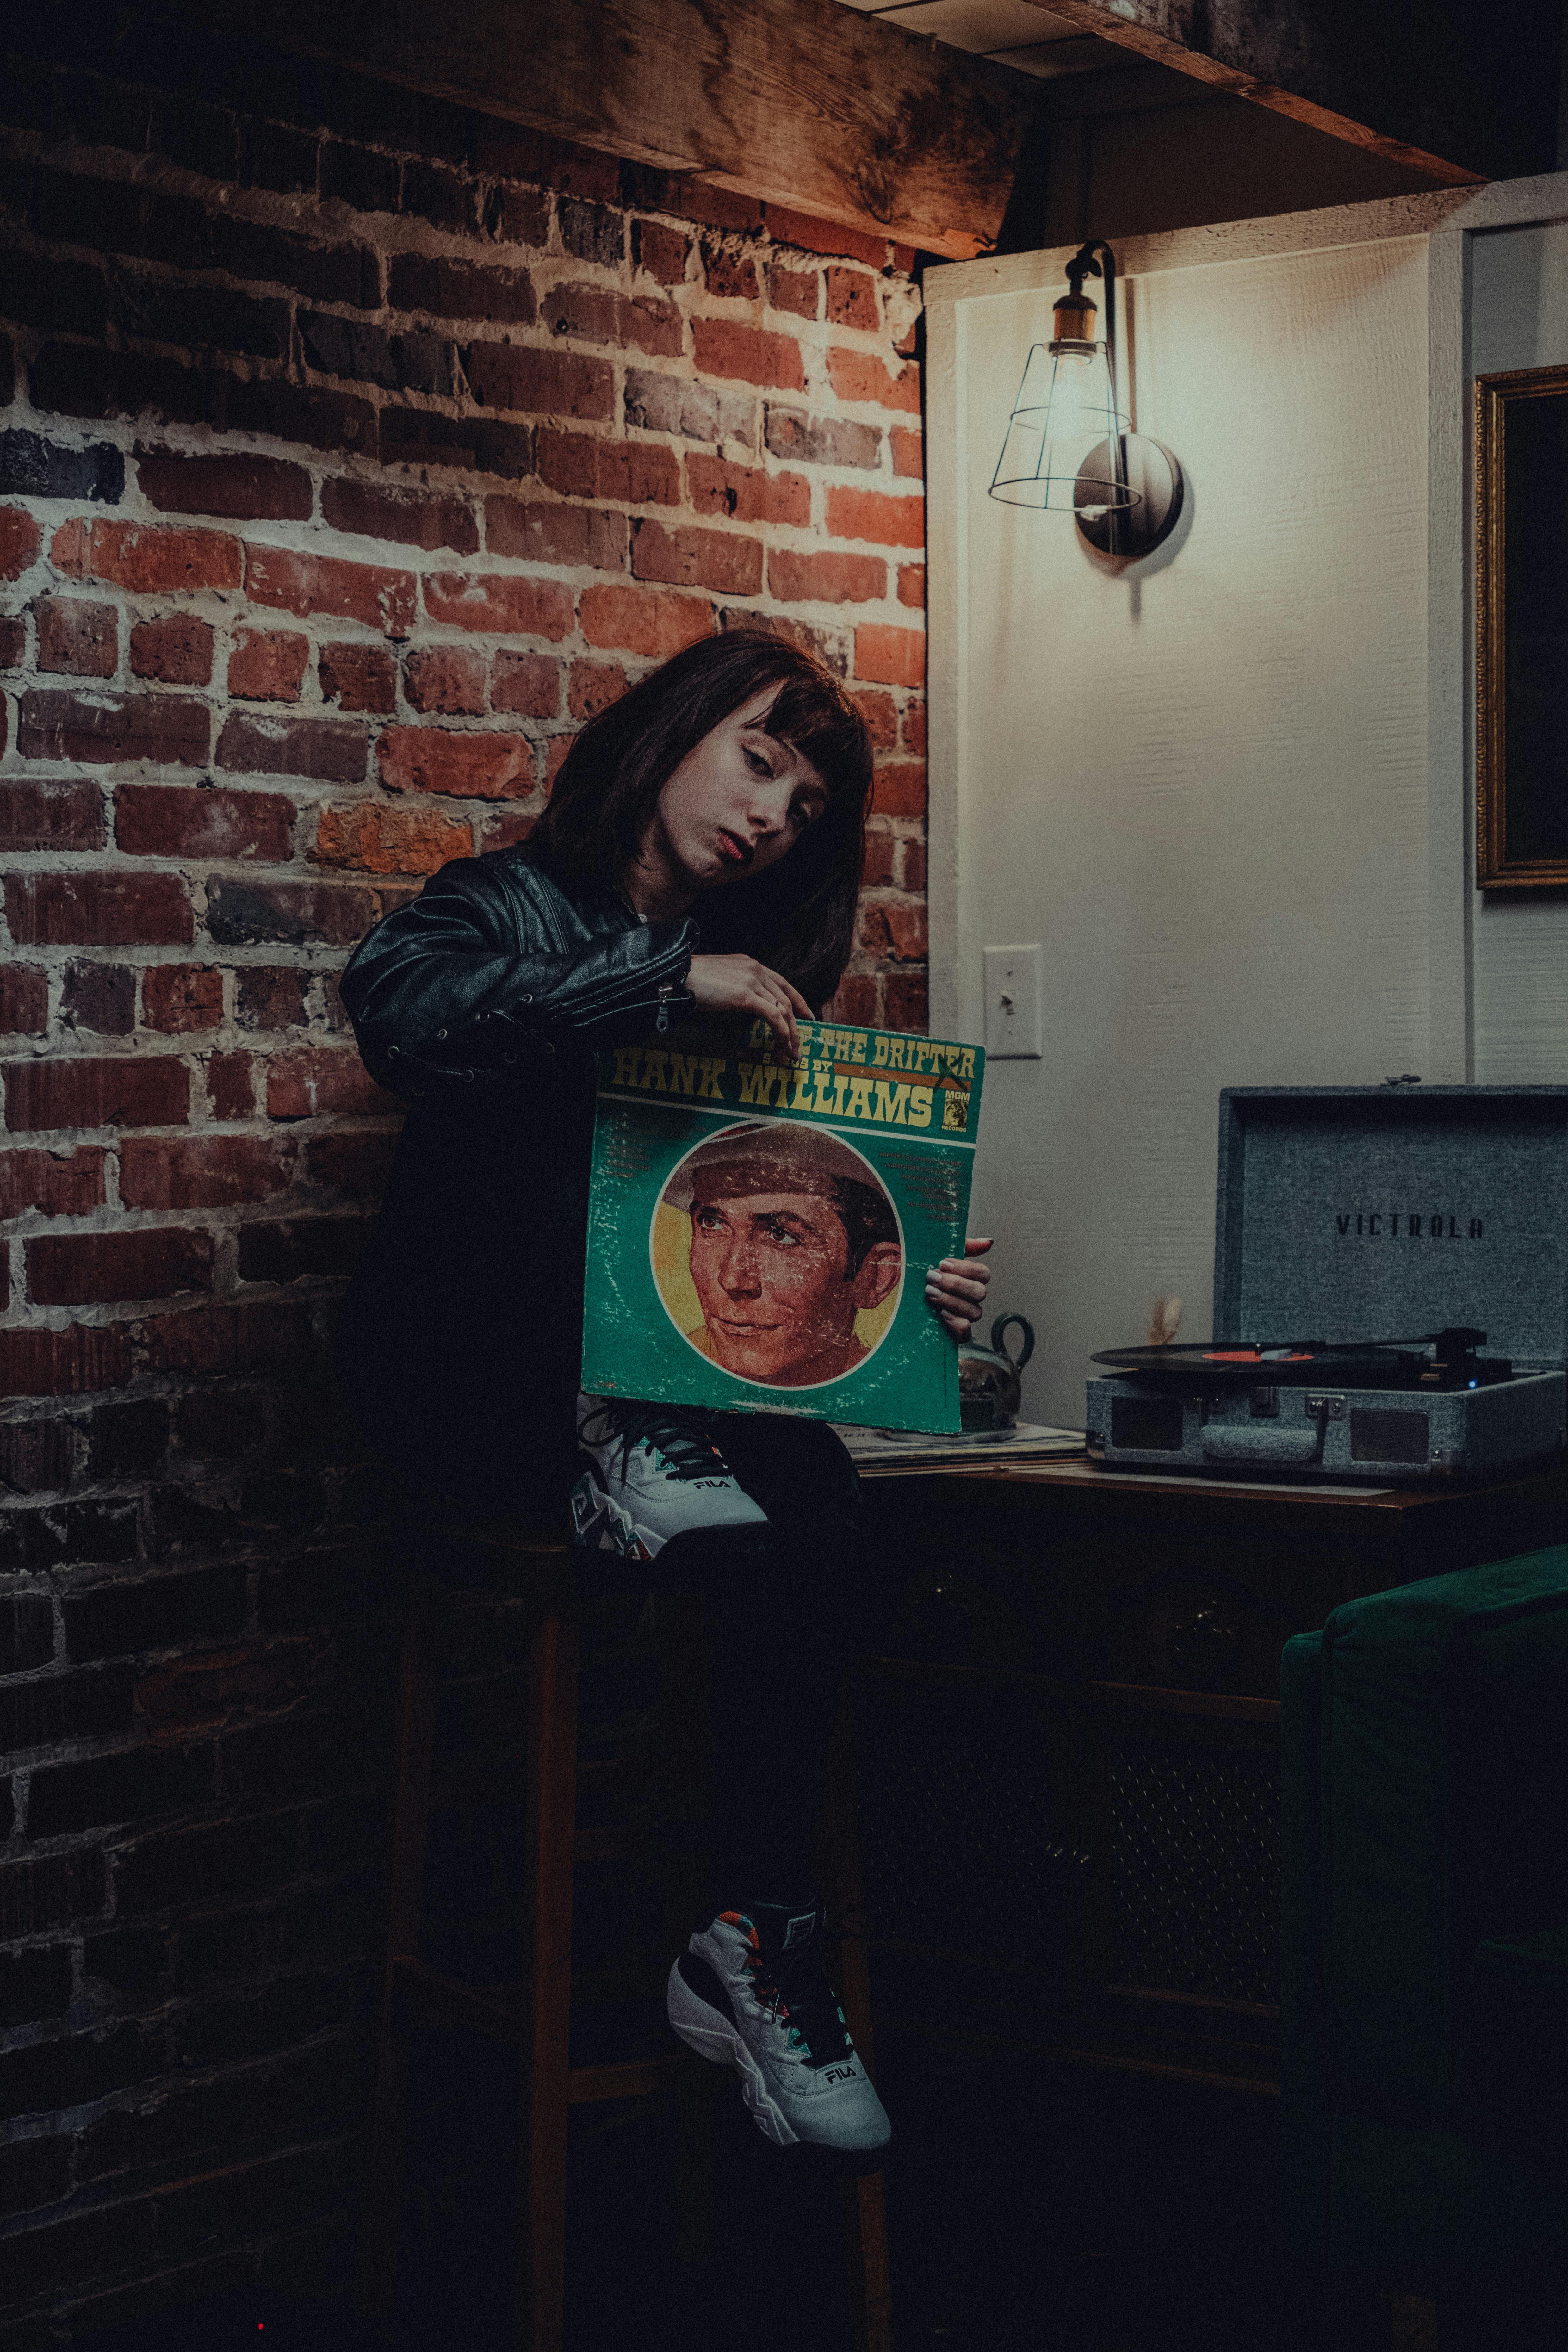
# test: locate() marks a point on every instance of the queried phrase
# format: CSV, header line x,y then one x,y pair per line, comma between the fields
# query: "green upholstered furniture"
x,y
1424,1991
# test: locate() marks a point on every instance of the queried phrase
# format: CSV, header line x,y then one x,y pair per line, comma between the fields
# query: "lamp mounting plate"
x,y
1150,471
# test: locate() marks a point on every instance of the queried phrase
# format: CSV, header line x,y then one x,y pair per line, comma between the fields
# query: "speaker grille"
x,y
1387,1435
1195,1870
1146,1424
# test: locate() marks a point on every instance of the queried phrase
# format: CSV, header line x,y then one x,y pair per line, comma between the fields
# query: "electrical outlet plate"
x,y
1013,1004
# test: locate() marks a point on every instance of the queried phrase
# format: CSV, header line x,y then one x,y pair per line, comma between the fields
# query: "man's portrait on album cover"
x,y
790,1246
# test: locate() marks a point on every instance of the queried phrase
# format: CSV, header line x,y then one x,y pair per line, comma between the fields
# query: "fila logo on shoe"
x,y
736,1996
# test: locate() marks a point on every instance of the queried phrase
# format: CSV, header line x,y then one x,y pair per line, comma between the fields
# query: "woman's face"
x,y
736,804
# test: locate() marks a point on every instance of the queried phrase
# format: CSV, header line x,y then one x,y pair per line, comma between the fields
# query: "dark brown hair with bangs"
x,y
798,917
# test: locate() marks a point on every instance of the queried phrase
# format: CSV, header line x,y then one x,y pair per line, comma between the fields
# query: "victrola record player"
x,y
1391,1293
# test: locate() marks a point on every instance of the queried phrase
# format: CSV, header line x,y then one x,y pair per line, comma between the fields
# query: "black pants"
x,y
784,1606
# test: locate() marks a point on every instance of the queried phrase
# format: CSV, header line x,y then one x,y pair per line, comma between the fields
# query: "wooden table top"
x,y
1077,1472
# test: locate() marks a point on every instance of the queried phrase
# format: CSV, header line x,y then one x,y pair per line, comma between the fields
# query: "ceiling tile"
x,y
980,25
1054,58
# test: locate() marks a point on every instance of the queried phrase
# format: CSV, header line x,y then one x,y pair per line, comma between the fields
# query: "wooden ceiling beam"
x,y
802,101
1464,91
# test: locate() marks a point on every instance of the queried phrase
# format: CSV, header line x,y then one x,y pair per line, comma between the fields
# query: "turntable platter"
x,y
1274,1363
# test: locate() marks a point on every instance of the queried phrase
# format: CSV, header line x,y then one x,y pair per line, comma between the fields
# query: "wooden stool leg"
x,y
410,1829
692,2204
1413,2323
552,1827
695,2084
865,2217
870,2281
685,1766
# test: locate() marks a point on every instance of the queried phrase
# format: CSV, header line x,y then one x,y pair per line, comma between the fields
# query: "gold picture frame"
x,y
1521,630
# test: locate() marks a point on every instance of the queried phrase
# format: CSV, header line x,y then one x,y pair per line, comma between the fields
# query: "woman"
x,y
734,781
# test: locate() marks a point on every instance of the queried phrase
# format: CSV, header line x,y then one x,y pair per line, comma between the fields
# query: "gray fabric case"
x,y
1368,1212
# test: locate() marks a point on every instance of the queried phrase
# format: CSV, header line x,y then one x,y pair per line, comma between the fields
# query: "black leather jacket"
x,y
496,969
483,1002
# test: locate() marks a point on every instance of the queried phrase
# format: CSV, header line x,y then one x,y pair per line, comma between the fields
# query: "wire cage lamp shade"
x,y
1060,449
1067,446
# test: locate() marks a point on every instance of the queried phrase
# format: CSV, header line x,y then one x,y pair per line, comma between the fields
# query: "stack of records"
x,y
914,1449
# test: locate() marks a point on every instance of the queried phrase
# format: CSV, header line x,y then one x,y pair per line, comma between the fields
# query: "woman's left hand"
x,y
956,1288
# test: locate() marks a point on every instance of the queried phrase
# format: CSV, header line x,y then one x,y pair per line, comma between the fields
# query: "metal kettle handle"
x,y
1003,1324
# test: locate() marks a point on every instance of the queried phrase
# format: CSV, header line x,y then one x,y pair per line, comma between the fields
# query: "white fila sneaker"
x,y
750,1992
652,1473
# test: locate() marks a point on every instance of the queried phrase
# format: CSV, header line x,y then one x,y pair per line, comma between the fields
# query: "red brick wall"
x,y
353,450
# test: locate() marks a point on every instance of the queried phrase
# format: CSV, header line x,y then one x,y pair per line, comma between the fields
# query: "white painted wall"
x,y
1226,792
1519,319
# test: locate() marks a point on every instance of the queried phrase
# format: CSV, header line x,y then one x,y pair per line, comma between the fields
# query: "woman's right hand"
x,y
739,984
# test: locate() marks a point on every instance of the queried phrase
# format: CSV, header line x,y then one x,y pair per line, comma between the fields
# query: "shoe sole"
x,y
722,2045
631,1539
607,1526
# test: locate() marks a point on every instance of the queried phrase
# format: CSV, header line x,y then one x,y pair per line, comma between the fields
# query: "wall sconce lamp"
x,y
1068,445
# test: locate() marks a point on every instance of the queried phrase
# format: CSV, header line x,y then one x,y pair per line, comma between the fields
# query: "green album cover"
x,y
759,1230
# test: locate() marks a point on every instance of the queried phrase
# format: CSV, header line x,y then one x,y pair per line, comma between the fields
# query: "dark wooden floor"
x,y
1027,2213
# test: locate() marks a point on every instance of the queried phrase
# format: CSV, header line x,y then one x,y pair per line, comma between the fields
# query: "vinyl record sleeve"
x,y
759,1230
